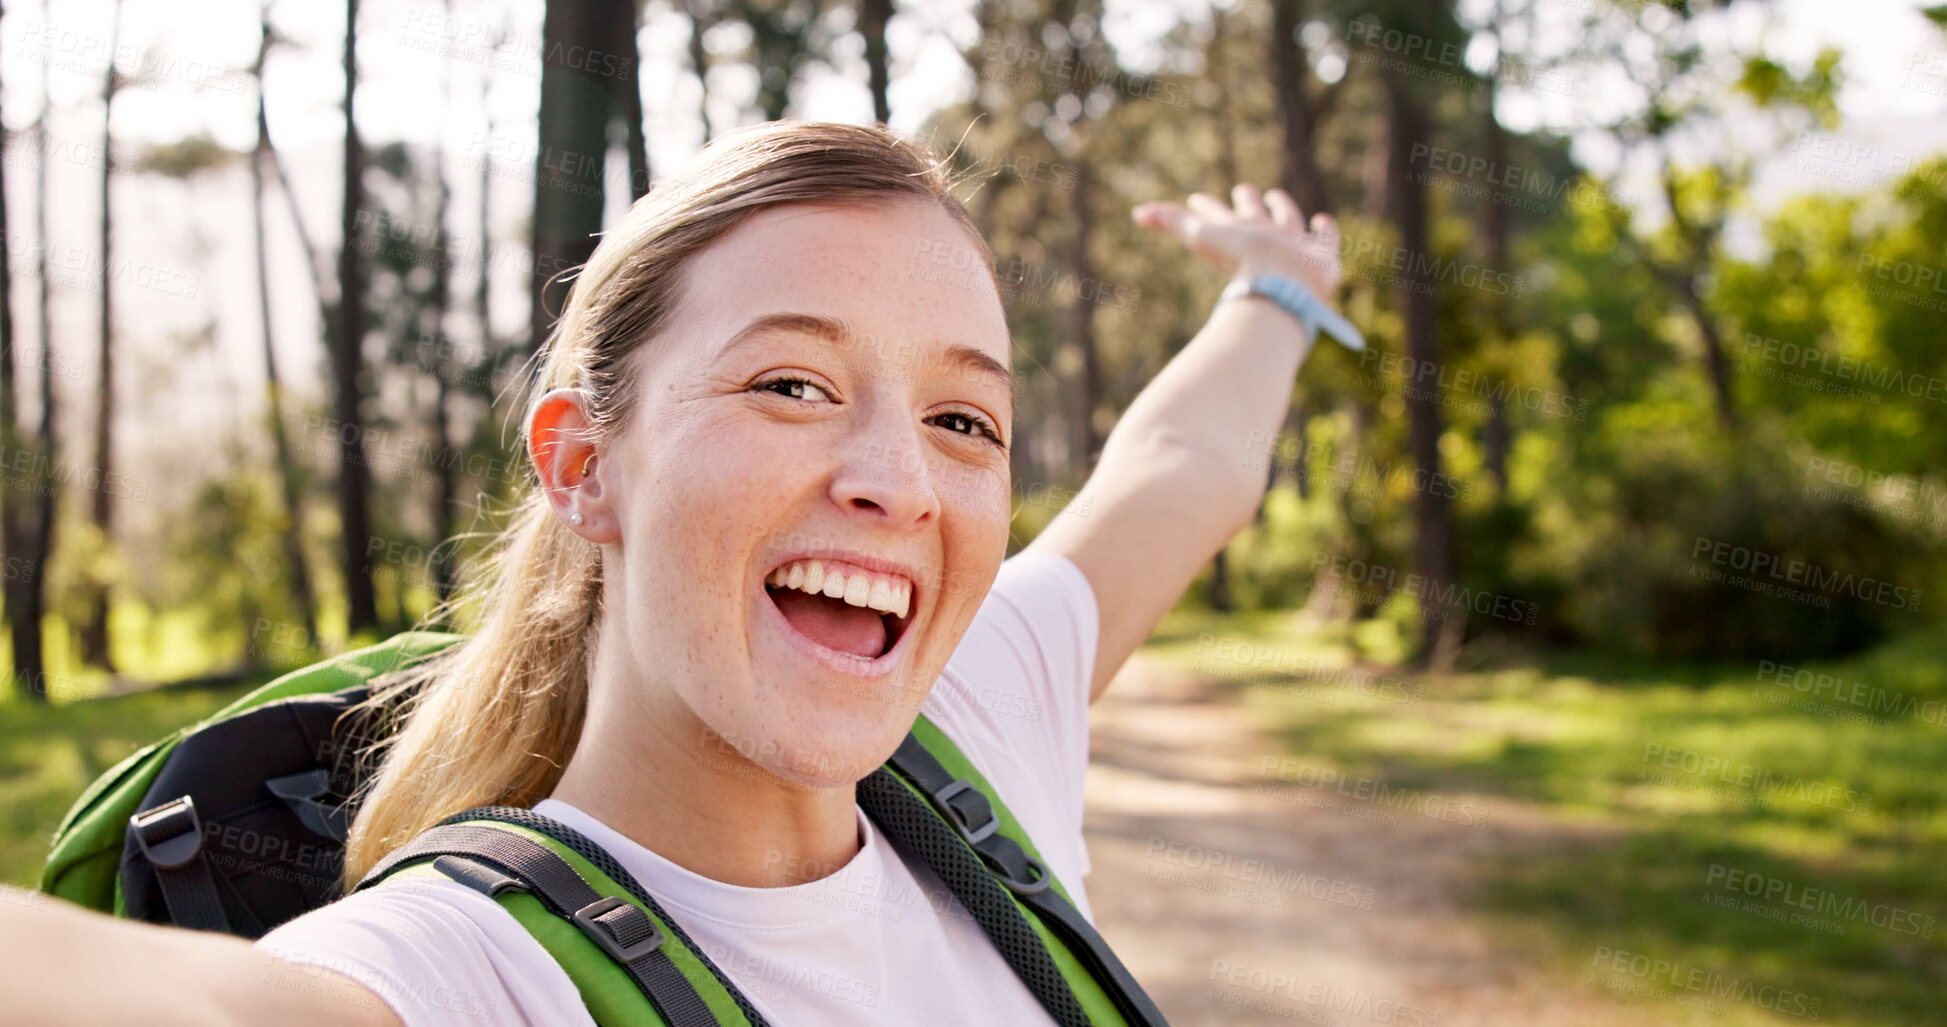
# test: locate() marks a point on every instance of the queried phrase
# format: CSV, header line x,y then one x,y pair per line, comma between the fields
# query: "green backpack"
x,y
237,824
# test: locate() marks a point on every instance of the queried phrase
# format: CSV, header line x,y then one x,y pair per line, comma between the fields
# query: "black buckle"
x,y
169,835
477,875
605,932
306,793
959,817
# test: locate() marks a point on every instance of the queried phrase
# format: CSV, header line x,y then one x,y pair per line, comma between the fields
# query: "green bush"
x,y
1695,545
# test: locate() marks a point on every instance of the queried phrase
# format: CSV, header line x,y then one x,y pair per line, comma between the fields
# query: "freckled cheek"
x,y
715,496
975,535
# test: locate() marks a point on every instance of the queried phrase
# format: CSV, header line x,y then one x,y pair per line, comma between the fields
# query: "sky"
x,y
480,102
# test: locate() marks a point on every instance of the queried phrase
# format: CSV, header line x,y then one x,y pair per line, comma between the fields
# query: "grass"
x,y
49,753
1672,791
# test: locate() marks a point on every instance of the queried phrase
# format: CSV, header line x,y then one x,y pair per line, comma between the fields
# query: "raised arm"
x,y
1183,470
68,966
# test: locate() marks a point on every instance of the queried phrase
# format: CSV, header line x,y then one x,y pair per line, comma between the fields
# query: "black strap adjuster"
x,y
1038,873
620,927
170,835
308,794
972,816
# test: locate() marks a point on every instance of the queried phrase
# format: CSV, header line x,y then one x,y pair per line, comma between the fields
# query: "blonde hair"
x,y
494,719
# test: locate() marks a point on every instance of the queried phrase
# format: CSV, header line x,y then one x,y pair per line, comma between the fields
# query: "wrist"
x,y
1295,298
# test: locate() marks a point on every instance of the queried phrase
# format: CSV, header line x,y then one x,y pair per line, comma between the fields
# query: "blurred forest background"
x,y
1653,406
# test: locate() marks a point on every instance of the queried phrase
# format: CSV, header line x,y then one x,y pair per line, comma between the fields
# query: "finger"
x,y
1326,228
1249,202
1162,216
1211,209
1284,209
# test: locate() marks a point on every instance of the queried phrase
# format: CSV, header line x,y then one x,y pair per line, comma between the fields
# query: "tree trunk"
x,y
29,671
26,582
571,161
1441,623
94,628
1715,365
1498,437
1228,175
447,492
700,62
293,535
354,476
1297,110
627,84
1687,282
1087,379
1301,472
873,16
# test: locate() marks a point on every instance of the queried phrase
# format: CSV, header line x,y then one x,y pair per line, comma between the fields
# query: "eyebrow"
x,y
837,332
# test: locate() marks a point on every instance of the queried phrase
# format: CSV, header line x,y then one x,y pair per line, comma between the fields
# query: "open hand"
x,y
1258,233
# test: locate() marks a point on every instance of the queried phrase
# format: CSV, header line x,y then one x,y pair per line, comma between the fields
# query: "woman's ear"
x,y
561,442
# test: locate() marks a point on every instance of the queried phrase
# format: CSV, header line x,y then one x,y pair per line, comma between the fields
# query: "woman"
x,y
771,441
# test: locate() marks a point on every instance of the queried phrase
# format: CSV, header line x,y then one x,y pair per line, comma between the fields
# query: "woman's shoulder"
x,y
438,953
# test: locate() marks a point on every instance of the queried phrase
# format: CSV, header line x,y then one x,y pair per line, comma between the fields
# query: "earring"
x,y
575,518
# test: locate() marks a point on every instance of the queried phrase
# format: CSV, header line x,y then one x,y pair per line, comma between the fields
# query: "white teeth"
x,y
887,594
857,590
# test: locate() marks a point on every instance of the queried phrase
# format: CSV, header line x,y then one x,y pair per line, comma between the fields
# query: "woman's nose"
x,y
887,476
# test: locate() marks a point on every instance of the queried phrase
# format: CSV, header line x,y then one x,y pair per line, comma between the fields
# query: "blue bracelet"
x,y
1296,300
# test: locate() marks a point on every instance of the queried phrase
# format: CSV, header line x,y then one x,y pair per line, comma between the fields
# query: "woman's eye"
x,y
967,424
796,388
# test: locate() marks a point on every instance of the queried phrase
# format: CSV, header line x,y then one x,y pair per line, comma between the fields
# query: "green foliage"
x,y
1691,546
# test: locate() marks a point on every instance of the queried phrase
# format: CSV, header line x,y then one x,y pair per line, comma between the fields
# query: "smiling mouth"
x,y
842,607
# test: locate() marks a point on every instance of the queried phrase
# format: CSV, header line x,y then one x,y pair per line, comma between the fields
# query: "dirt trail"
x,y
1236,901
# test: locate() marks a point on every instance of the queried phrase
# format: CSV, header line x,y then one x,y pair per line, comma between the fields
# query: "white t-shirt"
x,y
880,941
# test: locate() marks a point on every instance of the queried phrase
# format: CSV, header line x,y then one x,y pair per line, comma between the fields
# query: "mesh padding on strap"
x,y
912,824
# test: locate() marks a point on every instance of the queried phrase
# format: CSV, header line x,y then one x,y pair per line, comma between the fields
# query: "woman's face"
x,y
811,495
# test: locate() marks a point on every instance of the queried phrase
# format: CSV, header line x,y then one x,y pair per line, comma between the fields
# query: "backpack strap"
x,y
170,836
512,855
969,835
